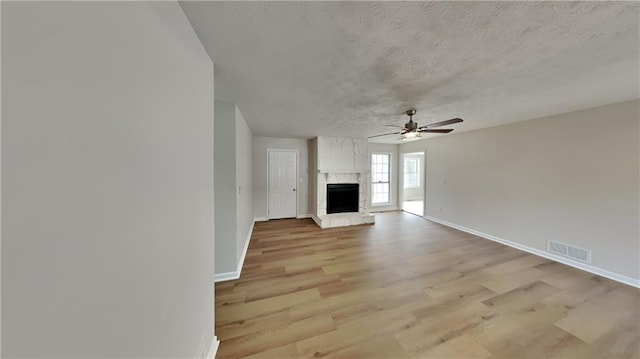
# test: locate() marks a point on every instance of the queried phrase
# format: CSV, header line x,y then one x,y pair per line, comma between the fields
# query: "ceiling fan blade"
x,y
443,130
385,134
394,126
442,123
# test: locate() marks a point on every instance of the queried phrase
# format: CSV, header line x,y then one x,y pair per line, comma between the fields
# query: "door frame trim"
x,y
423,179
297,152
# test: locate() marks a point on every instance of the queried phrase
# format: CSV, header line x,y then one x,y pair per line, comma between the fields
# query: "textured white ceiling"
x,y
304,69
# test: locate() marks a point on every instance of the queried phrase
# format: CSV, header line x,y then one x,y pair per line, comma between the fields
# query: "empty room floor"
x,y
407,287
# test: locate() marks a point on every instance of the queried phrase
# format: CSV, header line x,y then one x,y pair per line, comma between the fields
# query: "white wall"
x,y
225,187
107,181
394,184
260,146
244,183
571,178
234,193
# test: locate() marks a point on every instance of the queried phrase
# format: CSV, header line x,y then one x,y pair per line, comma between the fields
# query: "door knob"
x,y
294,190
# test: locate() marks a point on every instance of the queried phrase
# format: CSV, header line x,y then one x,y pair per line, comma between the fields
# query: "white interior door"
x,y
283,184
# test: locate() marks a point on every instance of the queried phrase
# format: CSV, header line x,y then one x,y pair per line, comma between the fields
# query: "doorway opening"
x,y
413,183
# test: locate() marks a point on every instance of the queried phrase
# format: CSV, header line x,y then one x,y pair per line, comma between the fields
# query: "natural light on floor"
x,y
414,207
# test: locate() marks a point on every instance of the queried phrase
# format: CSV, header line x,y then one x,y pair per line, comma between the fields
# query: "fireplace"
x,y
341,187
342,197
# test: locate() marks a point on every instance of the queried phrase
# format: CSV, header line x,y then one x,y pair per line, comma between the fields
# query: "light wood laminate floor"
x,y
406,287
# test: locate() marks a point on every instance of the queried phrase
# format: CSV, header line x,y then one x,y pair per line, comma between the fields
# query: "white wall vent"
x,y
565,250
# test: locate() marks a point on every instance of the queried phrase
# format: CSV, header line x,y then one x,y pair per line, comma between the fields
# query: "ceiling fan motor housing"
x,y
411,126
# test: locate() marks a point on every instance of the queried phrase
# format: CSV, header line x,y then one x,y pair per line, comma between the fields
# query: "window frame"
x,y
387,182
417,173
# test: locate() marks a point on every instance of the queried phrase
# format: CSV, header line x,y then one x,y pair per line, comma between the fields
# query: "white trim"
x,y
422,177
260,219
301,216
210,352
316,219
390,182
297,175
200,353
418,174
586,267
215,343
245,249
222,277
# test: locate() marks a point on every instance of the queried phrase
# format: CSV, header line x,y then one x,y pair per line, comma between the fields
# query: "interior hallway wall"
x,y
107,182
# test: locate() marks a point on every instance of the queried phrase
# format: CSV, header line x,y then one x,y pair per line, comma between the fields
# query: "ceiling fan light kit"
x,y
409,136
411,131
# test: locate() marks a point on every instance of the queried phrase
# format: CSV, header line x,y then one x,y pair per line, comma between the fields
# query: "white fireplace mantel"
x,y
342,160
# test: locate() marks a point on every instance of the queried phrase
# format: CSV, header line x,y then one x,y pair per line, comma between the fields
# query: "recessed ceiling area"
x,y
306,69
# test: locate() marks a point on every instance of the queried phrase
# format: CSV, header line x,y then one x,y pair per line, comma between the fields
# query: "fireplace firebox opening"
x,y
342,197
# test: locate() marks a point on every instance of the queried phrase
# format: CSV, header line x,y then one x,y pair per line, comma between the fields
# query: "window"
x,y
380,178
411,173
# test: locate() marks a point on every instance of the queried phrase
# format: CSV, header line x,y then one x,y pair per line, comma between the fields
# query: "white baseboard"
x,y
222,277
316,219
264,219
245,249
586,267
207,348
214,348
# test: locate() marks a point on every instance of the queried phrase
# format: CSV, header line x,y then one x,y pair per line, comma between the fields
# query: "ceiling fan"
x,y
411,130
